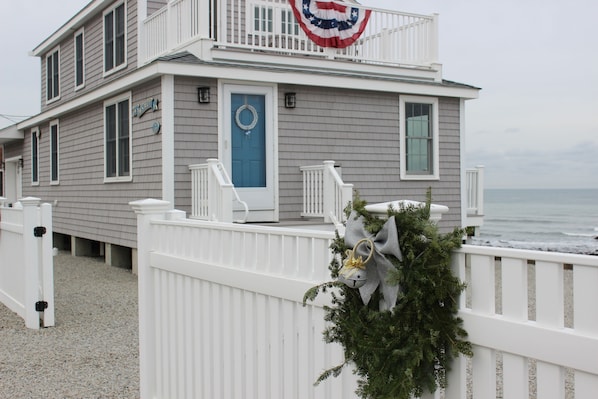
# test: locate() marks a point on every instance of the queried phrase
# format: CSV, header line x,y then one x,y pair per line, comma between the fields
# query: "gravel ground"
x,y
92,352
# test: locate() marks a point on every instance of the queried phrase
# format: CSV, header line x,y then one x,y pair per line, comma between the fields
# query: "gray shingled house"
x,y
136,91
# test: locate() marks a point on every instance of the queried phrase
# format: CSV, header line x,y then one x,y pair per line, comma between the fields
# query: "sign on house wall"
x,y
140,109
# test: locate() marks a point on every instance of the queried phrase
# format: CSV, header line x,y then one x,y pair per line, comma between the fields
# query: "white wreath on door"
x,y
254,113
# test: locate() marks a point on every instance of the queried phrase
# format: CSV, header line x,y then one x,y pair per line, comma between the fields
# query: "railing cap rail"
x,y
555,257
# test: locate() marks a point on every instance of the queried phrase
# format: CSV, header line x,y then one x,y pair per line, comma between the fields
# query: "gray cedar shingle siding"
x,y
196,133
94,58
86,206
360,131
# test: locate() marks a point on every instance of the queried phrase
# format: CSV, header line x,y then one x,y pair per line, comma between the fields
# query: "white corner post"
x,y
167,132
147,210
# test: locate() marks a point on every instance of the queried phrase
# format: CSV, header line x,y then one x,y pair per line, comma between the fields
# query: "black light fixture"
x,y
290,100
203,95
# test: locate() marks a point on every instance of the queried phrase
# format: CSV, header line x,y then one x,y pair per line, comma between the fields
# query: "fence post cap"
x,y
150,205
30,201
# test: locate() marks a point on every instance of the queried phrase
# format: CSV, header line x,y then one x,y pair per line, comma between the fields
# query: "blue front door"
x,y
248,141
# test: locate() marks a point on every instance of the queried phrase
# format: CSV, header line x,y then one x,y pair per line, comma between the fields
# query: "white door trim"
x,y
258,212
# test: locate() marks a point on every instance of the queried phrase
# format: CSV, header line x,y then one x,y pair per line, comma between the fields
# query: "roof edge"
x,y
69,27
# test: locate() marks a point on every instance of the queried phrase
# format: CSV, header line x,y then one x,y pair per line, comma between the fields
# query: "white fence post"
x,y
46,265
147,210
30,261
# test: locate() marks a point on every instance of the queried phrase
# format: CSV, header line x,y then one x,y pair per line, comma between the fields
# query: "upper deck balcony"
x,y
266,31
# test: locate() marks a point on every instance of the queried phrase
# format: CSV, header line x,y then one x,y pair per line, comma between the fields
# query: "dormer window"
x,y
52,75
115,38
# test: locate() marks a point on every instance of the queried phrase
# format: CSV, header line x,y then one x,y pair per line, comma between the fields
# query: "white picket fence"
x,y
532,316
26,263
221,315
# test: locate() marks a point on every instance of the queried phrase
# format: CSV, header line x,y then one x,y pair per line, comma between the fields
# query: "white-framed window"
x,y
115,38
54,152
53,75
35,133
273,20
79,44
117,139
418,121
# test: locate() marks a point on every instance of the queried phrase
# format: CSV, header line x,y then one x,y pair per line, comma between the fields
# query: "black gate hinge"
x,y
40,306
39,231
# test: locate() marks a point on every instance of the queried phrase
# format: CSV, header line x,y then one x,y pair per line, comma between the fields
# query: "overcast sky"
x,y
536,121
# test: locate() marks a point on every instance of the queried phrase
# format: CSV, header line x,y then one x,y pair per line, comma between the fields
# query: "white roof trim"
x,y
69,27
10,133
266,75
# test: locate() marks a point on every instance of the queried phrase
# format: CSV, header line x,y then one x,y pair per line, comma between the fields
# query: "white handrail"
x,y
324,193
213,193
228,181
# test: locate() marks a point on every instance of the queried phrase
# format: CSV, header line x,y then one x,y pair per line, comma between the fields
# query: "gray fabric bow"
x,y
386,242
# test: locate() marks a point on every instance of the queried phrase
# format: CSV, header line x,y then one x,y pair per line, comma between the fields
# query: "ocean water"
x,y
562,220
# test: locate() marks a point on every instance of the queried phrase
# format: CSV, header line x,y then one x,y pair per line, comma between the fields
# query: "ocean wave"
x,y
565,247
592,235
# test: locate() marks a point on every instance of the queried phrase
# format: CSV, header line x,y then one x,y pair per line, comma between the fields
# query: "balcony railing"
x,y
390,38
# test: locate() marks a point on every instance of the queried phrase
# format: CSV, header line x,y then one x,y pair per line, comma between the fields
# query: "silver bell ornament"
x,y
353,273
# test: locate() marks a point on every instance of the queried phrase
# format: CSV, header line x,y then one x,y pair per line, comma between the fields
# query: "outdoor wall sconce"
x,y
290,100
203,95
21,162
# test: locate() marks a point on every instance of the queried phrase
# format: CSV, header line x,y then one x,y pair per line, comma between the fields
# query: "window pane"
x,y
419,136
79,60
54,152
119,54
123,138
111,141
55,72
49,75
108,42
34,157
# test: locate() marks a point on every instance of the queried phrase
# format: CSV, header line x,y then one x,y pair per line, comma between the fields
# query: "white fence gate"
x,y
26,263
221,315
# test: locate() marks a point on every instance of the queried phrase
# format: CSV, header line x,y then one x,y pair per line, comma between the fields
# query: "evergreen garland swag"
x,y
400,352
